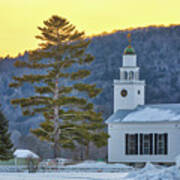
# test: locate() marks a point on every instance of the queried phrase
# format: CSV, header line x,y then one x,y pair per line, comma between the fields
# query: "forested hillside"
x,y
158,52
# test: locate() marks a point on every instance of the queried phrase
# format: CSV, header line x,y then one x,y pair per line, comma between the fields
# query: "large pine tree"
x,y
6,147
61,95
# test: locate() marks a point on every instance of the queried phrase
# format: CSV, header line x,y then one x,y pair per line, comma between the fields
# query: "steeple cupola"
x,y
129,51
129,56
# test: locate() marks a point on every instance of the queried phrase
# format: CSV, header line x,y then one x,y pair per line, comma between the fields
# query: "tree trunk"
x,y
81,153
56,150
56,121
87,151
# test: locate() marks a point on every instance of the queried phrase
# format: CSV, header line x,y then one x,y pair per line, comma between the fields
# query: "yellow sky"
x,y
19,18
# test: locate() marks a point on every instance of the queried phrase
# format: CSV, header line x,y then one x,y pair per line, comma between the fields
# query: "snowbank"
x,y
25,153
178,161
95,164
153,173
86,166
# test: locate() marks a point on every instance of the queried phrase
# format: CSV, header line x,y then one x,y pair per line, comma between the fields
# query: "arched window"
x,y
137,75
125,75
131,75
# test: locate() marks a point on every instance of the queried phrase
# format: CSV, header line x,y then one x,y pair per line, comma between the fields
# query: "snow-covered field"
x,y
63,176
149,172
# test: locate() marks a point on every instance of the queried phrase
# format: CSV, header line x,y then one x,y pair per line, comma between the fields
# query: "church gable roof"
x,y
147,113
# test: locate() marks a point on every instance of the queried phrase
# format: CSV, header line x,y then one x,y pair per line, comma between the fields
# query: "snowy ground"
x,y
150,172
63,176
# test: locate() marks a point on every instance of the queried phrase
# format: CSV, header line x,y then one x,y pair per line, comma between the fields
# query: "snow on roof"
x,y
25,153
147,113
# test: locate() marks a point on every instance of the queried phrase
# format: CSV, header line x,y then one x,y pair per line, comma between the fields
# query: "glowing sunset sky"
x,y
19,18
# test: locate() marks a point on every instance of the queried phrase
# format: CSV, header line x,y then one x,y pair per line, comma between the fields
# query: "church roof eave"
x,y
147,113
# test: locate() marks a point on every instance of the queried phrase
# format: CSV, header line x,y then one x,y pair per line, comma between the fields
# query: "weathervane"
x,y
129,39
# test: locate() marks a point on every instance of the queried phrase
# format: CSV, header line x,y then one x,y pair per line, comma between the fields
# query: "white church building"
x,y
140,132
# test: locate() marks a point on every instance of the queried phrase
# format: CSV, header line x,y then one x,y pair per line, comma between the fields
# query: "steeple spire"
x,y
129,50
129,39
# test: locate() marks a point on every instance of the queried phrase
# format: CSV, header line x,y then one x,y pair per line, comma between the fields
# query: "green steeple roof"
x,y
129,50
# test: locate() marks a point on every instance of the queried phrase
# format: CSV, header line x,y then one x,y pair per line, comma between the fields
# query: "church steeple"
x,y
129,90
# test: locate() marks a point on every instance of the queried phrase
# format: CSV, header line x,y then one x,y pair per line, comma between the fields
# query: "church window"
x,y
139,92
131,144
146,143
131,75
125,75
137,75
161,143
